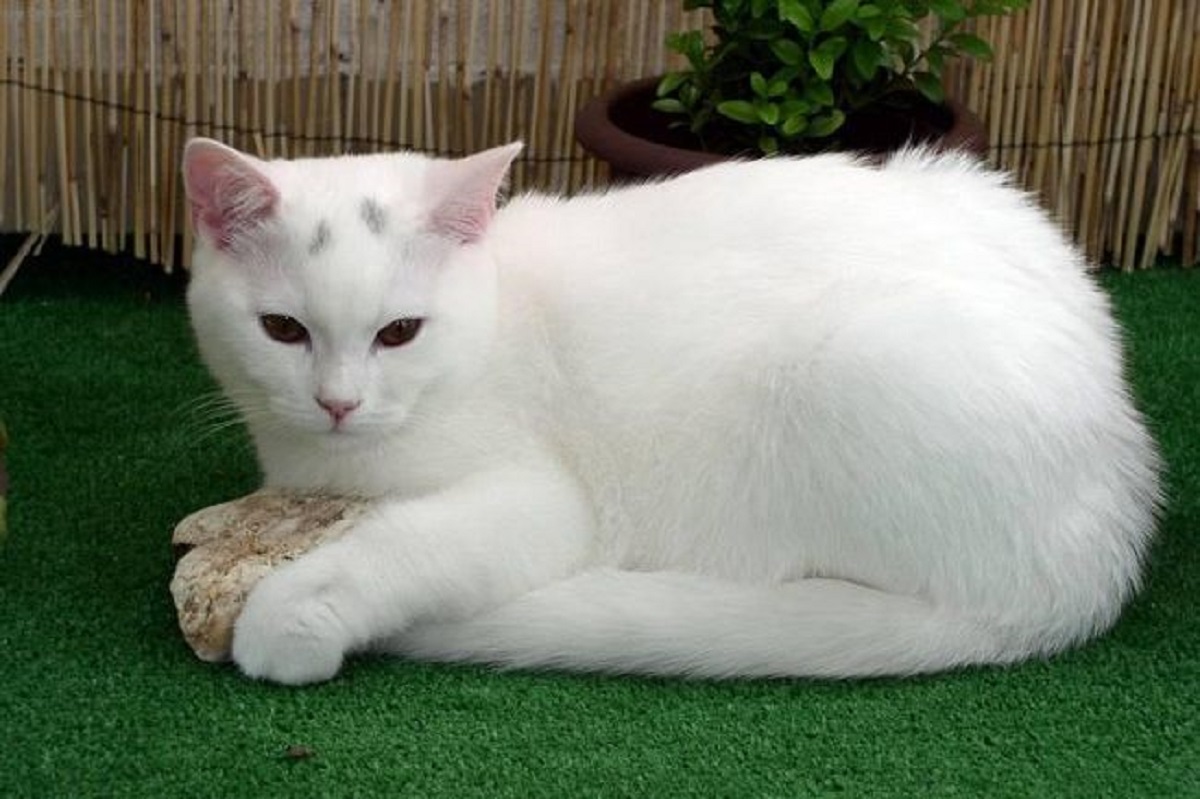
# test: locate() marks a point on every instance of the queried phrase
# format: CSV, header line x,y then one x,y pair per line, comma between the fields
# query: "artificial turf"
x,y
99,696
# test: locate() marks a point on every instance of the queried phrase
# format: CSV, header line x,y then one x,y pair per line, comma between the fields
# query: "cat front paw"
x,y
291,629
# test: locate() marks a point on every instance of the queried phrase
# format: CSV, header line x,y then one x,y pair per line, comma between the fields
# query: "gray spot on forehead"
x,y
373,215
320,239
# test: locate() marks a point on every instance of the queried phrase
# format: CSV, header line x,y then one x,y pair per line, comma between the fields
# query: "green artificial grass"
x,y
100,696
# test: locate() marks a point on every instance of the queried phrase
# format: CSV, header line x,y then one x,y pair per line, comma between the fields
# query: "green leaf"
x,y
794,125
867,11
928,84
670,82
739,111
768,113
822,64
689,44
795,108
819,94
972,45
875,28
837,14
867,56
758,84
759,7
777,87
825,124
668,105
951,11
787,51
936,57
795,13
768,145
825,56
901,28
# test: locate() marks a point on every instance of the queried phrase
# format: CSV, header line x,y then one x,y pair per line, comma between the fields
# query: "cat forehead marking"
x,y
372,215
320,239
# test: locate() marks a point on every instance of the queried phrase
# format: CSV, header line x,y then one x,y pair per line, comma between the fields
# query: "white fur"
x,y
789,417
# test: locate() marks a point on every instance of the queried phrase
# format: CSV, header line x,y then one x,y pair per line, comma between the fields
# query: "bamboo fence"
x,y
1090,103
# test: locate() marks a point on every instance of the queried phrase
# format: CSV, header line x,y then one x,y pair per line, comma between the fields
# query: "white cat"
x,y
801,417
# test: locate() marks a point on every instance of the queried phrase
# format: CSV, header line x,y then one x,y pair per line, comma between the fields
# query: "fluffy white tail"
x,y
666,623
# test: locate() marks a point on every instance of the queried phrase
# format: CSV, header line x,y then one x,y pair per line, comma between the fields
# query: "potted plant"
x,y
795,76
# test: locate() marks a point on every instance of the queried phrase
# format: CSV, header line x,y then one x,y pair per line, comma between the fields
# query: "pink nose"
x,y
338,409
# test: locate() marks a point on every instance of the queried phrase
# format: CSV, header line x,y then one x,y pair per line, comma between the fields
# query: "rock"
x,y
224,550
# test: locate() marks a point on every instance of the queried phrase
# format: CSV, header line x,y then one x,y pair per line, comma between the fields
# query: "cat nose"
x,y
338,409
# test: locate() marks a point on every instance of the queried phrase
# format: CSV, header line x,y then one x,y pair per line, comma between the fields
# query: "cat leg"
x,y
454,553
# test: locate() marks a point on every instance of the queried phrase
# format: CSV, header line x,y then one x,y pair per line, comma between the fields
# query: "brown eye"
x,y
283,329
399,332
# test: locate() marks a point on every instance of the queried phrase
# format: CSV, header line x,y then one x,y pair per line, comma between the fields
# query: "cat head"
x,y
335,296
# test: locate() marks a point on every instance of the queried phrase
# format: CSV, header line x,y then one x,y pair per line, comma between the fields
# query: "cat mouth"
x,y
341,430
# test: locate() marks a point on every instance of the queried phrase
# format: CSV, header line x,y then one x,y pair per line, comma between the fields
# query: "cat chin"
x,y
348,437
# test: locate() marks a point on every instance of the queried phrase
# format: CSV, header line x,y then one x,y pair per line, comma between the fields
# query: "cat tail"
x,y
677,624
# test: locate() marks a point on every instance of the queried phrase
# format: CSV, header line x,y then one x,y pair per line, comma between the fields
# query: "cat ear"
x,y
229,195
465,192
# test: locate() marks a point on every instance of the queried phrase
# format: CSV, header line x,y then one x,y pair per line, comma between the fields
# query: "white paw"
x,y
290,630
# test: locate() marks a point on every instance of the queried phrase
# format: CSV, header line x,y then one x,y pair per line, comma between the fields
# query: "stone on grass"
x,y
224,550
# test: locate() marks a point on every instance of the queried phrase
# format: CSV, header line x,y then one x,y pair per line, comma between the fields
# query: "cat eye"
x,y
283,329
398,332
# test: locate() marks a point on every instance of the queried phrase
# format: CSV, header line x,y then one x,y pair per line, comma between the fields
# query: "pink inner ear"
x,y
466,192
229,197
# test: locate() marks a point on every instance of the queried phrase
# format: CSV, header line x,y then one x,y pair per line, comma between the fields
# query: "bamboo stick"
x,y
393,125
578,174
126,229
137,122
293,99
1065,197
6,76
233,57
217,58
359,103
565,102
169,127
59,97
154,201
1123,127
1089,218
32,243
468,21
1191,203
1044,110
333,100
416,71
492,74
72,76
347,71
1160,17
1156,238
190,97
539,102
380,130
515,54
1170,200
440,124
27,211
312,72
88,91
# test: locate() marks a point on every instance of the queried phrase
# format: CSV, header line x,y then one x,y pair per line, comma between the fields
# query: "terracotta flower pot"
x,y
621,128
